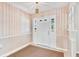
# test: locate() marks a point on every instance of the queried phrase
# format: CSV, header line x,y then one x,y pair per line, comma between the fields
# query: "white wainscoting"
x,y
13,43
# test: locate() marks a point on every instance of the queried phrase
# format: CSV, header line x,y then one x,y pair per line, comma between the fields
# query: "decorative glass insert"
x,y
52,24
35,26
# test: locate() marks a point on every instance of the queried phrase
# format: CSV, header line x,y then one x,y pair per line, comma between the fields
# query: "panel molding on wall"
x,y
11,34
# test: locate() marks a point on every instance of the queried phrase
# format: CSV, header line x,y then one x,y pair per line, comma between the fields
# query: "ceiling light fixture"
x,y
37,8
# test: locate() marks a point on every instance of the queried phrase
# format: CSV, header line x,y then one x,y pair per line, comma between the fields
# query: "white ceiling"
x,y
43,6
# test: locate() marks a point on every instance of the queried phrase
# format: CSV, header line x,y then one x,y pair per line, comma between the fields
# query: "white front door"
x,y
43,34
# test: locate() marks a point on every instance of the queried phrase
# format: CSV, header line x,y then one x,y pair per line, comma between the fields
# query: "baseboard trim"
x,y
7,54
55,49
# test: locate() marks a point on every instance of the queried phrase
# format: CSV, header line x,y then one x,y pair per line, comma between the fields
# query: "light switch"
x,y
0,46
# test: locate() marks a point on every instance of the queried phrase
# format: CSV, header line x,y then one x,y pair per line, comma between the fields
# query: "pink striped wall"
x,y
61,25
11,18
12,15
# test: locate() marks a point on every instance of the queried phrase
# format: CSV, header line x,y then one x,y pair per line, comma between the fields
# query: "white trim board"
x,y
8,36
7,54
55,49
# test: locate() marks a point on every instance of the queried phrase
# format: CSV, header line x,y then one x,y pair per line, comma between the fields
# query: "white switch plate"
x,y
0,46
